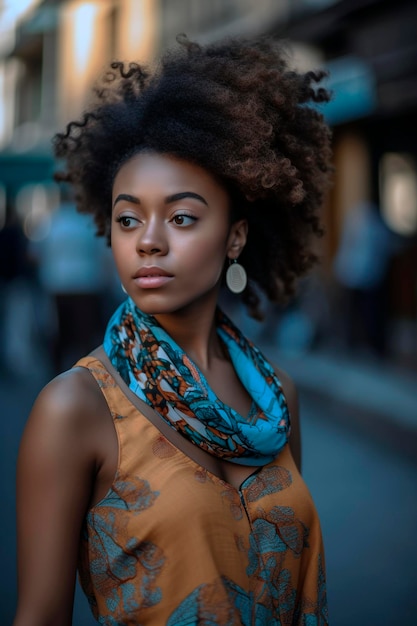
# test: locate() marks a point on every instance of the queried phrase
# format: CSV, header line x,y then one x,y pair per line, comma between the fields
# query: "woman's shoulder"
x,y
71,400
70,426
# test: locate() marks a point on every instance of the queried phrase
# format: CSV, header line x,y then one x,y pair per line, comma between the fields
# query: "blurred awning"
x,y
353,86
19,169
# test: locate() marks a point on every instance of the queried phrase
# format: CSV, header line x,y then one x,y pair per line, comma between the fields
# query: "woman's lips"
x,y
152,277
152,282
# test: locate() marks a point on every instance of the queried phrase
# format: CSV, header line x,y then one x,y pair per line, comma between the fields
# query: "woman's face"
x,y
171,233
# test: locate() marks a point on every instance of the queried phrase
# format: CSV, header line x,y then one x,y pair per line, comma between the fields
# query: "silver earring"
x,y
123,289
236,278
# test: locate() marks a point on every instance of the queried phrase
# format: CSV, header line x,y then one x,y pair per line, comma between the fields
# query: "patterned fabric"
x,y
157,370
173,544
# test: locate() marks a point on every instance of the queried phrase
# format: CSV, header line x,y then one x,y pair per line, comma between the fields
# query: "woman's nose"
x,y
152,239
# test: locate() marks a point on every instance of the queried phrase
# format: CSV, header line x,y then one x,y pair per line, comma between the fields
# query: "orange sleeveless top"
x,y
172,544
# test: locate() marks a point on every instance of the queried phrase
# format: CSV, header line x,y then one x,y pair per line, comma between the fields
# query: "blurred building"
x,y
370,50
51,51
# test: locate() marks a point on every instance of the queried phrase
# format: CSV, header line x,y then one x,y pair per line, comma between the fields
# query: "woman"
x,y
163,465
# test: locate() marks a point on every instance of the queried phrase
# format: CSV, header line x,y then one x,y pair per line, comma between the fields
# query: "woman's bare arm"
x,y
291,396
58,459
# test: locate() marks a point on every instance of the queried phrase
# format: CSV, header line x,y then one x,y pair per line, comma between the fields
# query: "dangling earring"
x,y
123,289
236,278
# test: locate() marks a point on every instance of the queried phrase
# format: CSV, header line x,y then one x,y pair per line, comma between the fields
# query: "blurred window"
x,y
398,192
85,16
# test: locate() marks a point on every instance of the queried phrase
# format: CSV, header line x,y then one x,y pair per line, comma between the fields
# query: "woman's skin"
x,y
171,236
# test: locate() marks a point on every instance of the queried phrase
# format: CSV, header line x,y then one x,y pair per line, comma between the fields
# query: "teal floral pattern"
x,y
117,557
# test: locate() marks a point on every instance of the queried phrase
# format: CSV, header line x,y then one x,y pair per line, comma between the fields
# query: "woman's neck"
x,y
194,330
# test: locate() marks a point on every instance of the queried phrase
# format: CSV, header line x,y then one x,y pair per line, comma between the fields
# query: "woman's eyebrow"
x,y
169,199
185,194
126,196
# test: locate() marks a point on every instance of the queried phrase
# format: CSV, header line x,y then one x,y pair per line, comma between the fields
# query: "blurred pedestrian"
x,y
361,267
164,463
73,273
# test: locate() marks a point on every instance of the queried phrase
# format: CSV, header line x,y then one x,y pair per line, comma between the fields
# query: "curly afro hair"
x,y
234,108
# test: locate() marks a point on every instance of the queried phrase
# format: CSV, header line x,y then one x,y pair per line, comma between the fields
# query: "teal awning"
x,y
353,85
17,170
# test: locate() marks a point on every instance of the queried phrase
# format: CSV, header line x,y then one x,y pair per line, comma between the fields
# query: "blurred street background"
x,y
349,338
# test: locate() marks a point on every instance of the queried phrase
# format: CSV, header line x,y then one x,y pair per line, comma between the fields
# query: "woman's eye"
x,y
183,220
126,221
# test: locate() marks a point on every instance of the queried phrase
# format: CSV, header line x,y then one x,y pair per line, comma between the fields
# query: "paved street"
x,y
366,496
363,487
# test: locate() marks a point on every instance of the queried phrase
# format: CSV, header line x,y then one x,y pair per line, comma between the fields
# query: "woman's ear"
x,y
237,238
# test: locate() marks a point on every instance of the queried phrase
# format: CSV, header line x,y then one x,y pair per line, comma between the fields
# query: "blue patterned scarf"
x,y
159,372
